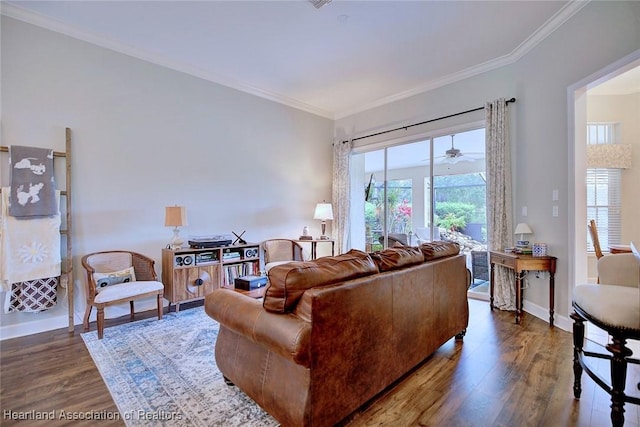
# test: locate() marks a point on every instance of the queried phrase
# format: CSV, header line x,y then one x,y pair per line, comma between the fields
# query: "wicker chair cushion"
x,y
616,306
126,290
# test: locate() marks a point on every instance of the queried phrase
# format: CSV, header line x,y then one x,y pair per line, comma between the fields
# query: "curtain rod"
x,y
425,122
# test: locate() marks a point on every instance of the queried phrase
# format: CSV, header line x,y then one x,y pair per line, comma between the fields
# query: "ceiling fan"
x,y
454,155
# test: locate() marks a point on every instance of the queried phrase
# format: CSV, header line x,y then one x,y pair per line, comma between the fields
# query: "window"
x,y
603,190
412,197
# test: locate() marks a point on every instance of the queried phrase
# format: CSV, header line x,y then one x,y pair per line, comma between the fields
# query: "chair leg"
x,y
100,322
619,353
159,307
131,310
87,313
578,342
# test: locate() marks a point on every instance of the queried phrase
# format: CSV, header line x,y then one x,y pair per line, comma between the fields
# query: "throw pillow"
x,y
287,282
439,249
397,257
114,278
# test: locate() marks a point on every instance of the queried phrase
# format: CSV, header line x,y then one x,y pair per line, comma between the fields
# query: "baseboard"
x,y
542,313
46,323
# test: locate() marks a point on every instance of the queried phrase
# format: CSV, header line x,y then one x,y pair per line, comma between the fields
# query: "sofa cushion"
x,y
397,257
439,249
288,282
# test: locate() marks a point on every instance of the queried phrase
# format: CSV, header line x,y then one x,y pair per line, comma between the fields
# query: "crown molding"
x,y
553,23
38,20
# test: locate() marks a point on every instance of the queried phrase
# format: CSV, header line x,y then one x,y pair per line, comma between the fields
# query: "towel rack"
x,y
65,230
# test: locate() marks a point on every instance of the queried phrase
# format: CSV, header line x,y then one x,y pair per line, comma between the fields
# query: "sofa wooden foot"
x,y
460,335
227,381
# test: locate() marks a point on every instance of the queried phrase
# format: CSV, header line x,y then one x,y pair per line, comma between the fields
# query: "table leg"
x,y
491,281
552,292
313,250
518,296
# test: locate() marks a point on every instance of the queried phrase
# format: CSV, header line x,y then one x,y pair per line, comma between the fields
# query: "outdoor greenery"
x,y
399,205
460,201
454,215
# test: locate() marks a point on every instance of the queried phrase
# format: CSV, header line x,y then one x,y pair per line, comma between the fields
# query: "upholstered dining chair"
x,y
280,251
114,277
614,306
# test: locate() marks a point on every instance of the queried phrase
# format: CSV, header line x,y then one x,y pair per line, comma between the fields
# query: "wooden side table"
x,y
521,264
314,245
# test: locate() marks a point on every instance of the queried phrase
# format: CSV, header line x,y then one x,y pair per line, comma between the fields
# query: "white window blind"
x,y
603,190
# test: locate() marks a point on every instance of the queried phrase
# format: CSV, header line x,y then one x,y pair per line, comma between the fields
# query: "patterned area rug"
x,y
164,373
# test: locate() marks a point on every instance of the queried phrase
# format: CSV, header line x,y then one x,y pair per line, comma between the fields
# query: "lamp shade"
x,y
324,211
175,216
522,228
608,156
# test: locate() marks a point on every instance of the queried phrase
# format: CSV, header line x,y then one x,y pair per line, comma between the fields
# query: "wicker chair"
x,y
280,251
110,281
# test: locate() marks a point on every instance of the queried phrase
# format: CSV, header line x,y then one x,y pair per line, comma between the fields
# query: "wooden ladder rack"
x,y
67,269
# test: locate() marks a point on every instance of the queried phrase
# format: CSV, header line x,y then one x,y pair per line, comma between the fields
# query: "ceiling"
x,y
623,84
344,57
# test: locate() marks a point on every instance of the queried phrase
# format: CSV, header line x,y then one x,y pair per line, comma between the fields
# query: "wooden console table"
x,y
521,264
314,245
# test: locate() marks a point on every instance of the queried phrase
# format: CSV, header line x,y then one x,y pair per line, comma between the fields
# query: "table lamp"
x,y
324,212
175,216
522,229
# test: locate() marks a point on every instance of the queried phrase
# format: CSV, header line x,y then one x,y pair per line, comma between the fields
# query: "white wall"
x,y
146,137
539,122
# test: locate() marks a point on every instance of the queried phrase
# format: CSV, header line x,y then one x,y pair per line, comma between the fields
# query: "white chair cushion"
x,y
617,306
127,290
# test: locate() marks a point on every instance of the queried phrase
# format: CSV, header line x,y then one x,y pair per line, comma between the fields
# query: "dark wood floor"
x,y
501,375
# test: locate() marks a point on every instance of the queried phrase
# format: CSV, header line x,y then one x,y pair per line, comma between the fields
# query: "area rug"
x,y
163,372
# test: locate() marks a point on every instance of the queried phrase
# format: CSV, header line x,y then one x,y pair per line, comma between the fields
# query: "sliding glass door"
x,y
395,200
431,189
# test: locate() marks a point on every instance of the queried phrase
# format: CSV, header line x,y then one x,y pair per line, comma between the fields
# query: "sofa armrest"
x,y
285,334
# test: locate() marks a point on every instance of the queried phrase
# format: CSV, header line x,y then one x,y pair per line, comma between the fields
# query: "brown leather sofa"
x,y
334,332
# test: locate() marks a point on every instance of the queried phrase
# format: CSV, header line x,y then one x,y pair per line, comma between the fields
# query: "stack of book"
x,y
523,247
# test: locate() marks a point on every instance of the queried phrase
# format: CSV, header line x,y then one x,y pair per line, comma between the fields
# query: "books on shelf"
x,y
233,271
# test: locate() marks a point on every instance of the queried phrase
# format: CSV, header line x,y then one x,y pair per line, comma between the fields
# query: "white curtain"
x,y
341,195
499,206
